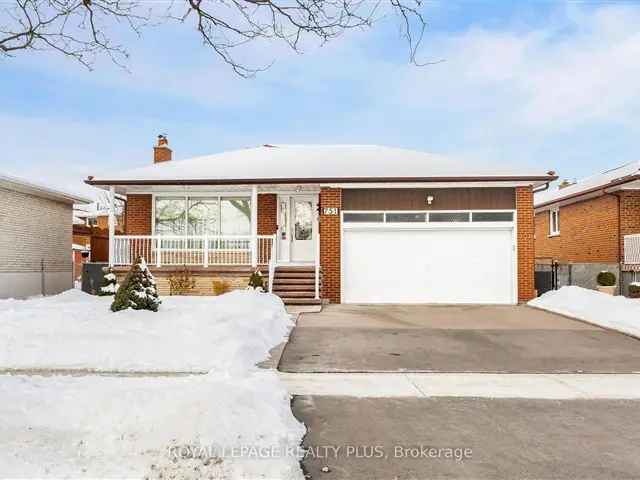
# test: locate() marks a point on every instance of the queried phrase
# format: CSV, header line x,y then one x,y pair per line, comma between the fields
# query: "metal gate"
x,y
546,279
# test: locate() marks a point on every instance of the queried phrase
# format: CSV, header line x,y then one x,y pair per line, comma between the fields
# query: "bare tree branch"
x,y
80,28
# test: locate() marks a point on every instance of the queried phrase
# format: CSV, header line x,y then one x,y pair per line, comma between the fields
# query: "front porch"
x,y
230,234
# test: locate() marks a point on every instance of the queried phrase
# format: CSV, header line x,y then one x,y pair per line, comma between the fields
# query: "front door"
x,y
297,227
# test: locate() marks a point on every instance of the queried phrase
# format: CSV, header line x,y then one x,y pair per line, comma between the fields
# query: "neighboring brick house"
x,y
584,224
35,238
341,223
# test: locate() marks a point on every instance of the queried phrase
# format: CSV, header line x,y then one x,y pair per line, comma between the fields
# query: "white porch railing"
x,y
201,250
632,249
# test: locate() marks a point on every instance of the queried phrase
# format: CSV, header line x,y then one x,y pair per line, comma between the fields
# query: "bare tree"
x,y
83,29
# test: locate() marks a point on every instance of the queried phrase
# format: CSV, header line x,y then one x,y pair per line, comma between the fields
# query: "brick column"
x,y
330,232
138,215
267,213
526,247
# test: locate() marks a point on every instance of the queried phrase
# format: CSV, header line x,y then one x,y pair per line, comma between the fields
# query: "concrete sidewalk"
x,y
426,385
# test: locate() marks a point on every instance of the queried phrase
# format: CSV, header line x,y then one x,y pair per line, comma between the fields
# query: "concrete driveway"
x,y
469,438
469,338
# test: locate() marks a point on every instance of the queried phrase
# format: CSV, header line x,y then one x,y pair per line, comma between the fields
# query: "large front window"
x,y
202,215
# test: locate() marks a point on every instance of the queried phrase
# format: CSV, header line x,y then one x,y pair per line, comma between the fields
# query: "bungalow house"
x,y
339,223
35,238
592,225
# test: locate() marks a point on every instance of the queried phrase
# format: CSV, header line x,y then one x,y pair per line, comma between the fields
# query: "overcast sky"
x,y
550,85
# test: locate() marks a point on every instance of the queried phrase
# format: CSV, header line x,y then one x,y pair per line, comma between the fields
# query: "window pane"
x,y
406,217
303,220
236,216
364,217
203,216
449,217
170,216
492,217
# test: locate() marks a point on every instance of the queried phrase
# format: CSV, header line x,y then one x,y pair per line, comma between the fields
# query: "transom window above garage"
x,y
429,217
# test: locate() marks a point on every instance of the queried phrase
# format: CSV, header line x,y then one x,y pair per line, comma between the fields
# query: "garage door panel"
x,y
428,266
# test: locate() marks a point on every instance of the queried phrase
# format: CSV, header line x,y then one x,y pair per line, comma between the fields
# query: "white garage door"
x,y
428,266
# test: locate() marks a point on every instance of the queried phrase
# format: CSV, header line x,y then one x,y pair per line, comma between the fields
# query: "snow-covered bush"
x,y
256,281
109,285
606,279
634,290
138,291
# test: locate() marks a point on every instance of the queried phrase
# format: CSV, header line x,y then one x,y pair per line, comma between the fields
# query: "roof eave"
x,y
321,180
576,196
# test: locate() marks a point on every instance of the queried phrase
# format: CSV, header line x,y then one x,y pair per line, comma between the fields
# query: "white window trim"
x,y
556,232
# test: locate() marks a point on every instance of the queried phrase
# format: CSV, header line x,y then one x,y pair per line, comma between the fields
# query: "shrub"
x,y
138,291
109,285
634,290
182,283
606,279
256,281
220,287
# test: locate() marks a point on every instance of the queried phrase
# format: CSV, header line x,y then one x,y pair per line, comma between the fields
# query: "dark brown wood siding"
x,y
416,199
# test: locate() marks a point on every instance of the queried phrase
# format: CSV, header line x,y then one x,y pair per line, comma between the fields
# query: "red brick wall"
x,y
629,216
588,232
526,247
330,244
138,215
267,213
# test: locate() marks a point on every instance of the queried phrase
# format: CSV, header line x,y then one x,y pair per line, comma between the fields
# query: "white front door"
x,y
297,227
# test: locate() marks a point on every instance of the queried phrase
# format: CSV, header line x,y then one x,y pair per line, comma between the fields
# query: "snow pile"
x,y
233,423
124,427
75,330
615,312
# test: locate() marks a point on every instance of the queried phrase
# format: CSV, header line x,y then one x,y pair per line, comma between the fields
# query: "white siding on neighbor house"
x,y
34,232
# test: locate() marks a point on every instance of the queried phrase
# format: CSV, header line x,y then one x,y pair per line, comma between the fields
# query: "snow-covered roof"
x,y
312,164
40,190
628,172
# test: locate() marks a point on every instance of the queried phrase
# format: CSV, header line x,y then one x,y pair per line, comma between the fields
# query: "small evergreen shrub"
x,y
109,286
182,283
606,279
138,291
256,281
221,287
634,290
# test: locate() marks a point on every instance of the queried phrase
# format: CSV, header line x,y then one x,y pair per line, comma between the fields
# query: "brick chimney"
x,y
162,152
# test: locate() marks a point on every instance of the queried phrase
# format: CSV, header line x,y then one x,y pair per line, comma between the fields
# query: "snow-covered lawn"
x,y
615,312
236,420
115,427
74,330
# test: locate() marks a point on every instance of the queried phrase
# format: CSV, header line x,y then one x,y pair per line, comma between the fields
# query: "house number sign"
x,y
330,211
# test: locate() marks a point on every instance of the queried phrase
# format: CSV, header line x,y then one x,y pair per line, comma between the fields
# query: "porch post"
x,y
254,226
112,224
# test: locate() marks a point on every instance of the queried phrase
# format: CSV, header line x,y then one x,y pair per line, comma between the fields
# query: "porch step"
x,y
294,294
309,287
301,301
295,285
293,281
295,274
